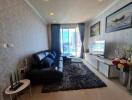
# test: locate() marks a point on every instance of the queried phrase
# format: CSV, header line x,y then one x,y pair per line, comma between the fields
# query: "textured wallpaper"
x,y
20,26
115,39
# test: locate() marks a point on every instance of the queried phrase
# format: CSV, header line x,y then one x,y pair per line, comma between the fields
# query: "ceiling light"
x,y
51,14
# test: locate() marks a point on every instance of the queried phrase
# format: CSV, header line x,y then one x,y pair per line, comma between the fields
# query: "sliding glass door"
x,y
70,41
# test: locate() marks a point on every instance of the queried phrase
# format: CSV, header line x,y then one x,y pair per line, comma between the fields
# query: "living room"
x,y
86,42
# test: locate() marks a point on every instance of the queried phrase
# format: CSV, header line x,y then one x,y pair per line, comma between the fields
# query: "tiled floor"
x,y
113,91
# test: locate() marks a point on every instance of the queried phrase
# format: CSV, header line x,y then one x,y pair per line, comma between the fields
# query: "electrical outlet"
x,y
22,71
10,45
4,45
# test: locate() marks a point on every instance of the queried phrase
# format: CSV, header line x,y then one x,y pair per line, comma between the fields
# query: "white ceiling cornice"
x,y
69,11
36,11
101,13
116,1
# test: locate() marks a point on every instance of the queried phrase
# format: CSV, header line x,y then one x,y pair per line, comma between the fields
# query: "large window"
x,y
70,41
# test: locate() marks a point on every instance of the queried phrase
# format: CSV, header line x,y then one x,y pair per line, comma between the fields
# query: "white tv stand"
x,y
103,65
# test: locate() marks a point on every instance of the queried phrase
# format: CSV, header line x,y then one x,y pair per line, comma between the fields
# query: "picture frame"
x,y
95,29
120,19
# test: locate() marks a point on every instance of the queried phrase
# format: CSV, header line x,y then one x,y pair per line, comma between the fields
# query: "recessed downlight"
x,y
51,14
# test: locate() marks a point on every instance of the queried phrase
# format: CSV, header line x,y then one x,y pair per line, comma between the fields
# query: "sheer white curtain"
x,y
70,40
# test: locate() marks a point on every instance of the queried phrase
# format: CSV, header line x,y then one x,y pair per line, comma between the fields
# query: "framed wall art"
x,y
120,19
95,29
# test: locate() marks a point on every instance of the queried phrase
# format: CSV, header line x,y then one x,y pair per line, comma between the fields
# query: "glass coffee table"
x,y
76,60
69,58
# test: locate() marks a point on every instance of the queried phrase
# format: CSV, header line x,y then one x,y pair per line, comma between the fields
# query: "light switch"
x,y
5,45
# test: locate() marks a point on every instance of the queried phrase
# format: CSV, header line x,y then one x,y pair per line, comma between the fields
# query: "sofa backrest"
x,y
39,56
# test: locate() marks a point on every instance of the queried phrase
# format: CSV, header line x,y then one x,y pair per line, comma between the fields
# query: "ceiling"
x,y
69,11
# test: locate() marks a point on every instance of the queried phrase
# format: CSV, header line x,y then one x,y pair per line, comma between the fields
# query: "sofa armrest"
x,y
60,58
60,68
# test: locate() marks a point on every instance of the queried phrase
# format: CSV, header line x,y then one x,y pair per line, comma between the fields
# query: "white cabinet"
x,y
103,65
91,60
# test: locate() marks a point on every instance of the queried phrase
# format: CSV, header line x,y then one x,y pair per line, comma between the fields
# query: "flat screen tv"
x,y
97,47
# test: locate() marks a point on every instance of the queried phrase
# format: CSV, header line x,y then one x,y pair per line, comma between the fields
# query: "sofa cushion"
x,y
46,62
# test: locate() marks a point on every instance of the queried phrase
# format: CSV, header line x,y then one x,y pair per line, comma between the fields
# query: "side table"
x,y
26,83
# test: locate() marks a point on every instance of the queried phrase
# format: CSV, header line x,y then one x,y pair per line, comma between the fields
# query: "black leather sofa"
x,y
46,68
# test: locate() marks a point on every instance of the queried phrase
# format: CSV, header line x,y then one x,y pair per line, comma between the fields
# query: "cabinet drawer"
x,y
104,69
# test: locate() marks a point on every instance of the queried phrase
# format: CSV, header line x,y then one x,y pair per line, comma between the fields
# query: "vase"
x,y
129,85
123,77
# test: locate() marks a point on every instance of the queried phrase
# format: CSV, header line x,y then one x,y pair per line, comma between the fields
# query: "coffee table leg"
x,y
78,64
10,97
30,90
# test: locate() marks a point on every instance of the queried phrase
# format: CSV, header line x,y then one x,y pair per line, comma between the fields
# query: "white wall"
x,y
19,25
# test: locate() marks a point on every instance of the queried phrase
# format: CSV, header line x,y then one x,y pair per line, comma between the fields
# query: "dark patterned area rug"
x,y
76,76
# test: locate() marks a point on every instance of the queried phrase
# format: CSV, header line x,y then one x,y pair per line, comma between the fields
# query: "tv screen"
x,y
97,47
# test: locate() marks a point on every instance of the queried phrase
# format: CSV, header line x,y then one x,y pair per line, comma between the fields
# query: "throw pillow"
x,y
54,53
47,62
52,56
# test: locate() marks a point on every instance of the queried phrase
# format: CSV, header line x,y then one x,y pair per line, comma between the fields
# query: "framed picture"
x,y
119,20
95,29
